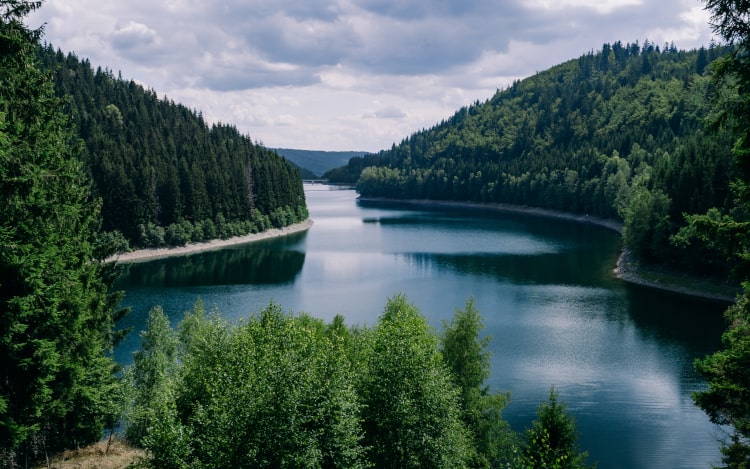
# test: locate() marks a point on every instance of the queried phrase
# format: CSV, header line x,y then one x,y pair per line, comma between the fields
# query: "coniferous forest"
x,y
621,133
165,176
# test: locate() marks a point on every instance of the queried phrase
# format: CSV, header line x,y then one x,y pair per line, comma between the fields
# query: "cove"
x,y
619,355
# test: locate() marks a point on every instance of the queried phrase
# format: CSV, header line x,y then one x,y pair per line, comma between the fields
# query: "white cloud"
x,y
308,74
133,35
390,112
600,6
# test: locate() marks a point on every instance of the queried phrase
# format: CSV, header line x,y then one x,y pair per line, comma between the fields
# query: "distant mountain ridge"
x,y
318,162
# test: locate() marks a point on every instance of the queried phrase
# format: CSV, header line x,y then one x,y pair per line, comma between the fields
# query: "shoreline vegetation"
x,y
627,268
144,255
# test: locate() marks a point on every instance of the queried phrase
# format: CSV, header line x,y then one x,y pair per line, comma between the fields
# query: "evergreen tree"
x,y
728,394
467,358
157,163
56,384
551,442
577,138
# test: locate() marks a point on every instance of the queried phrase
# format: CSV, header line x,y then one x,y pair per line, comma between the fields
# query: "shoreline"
x,y
608,223
143,255
627,268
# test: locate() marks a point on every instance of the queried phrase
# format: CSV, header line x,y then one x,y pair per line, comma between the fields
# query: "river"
x,y
619,355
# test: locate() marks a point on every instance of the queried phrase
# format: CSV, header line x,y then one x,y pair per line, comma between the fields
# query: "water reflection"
x,y
264,262
570,268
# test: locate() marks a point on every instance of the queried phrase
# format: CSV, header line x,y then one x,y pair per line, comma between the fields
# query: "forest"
x,y
164,176
278,390
621,133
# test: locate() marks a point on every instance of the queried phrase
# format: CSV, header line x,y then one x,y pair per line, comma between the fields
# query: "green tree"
x,y
56,382
727,370
727,399
411,408
646,222
151,418
467,358
152,374
276,392
551,442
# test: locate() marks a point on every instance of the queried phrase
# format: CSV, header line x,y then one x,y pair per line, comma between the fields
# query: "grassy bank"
x,y
101,455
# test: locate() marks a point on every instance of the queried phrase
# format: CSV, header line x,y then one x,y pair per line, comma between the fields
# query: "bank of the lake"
x,y
143,255
628,268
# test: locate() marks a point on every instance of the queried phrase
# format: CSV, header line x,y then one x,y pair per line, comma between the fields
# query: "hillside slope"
x,y
620,133
164,175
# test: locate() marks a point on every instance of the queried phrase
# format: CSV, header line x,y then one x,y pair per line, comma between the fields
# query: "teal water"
x,y
619,355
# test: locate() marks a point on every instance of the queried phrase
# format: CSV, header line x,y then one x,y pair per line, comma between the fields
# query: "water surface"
x,y
619,355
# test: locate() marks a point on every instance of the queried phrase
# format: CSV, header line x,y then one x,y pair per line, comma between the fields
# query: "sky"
x,y
354,75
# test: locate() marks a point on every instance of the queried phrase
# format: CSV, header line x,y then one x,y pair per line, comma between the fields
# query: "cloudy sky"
x,y
349,74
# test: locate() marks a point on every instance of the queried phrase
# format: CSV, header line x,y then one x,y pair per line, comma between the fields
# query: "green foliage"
x,y
411,409
647,226
278,390
283,391
151,375
575,138
467,358
727,399
56,383
275,391
728,396
158,166
551,440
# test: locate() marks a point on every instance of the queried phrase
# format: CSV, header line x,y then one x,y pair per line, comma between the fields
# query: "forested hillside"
x,y
620,133
163,174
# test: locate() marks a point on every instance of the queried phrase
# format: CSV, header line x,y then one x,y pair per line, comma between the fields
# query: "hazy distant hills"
x,y
317,162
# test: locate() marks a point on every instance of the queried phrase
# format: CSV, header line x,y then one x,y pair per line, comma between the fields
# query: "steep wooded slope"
x,y
620,133
163,174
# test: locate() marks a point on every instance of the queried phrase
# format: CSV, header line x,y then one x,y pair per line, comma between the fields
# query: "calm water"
x,y
620,356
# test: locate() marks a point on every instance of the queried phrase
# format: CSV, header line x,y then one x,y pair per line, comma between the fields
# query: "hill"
x,y
163,175
620,133
318,162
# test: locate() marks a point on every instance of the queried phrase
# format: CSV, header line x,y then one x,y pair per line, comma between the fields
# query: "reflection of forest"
x,y
569,267
231,266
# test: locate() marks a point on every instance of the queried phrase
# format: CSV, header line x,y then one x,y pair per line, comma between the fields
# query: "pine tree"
x,y
54,304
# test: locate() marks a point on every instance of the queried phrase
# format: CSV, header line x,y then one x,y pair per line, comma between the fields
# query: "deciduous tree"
x,y
412,414
551,442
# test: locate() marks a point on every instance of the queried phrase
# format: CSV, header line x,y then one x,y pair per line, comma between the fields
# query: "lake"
x,y
619,355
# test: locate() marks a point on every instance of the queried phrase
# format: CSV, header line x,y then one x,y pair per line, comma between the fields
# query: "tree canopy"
x,y
284,390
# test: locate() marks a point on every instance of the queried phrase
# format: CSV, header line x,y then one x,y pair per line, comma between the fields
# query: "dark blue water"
x,y
619,355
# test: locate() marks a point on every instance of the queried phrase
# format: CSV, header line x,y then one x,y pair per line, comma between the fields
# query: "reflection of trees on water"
x,y
567,268
231,266
685,322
